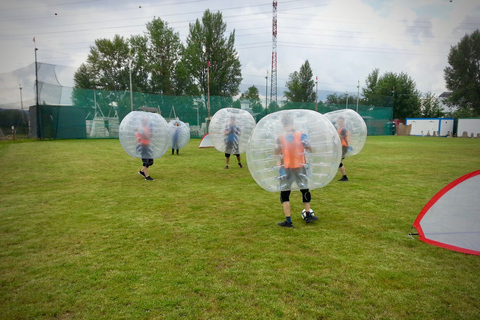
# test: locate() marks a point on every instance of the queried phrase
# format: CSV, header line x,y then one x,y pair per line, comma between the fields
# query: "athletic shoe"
x,y
286,224
149,178
226,167
343,179
309,217
141,173
240,165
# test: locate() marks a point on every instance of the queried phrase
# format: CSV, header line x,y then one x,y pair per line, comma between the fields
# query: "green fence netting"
x,y
97,114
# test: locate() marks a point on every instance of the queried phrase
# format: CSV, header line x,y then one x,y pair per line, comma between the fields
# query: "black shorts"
x,y
298,175
144,150
227,155
344,151
147,162
231,147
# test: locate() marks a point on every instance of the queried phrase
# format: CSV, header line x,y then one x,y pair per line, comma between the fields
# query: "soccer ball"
x,y
304,215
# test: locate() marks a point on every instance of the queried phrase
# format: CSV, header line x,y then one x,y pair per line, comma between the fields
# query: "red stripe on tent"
x,y
445,189
450,247
201,142
430,203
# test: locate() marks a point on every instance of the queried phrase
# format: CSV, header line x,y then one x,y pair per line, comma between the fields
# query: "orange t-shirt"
x,y
344,139
144,138
292,150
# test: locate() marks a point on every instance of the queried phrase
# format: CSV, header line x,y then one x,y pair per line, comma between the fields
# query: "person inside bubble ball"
x,y
345,139
232,136
292,146
143,147
175,137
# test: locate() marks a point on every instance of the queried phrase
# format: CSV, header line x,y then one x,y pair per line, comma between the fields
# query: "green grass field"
x,y
83,236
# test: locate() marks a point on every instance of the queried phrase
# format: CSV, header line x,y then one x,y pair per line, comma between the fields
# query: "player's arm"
x,y
278,148
306,143
279,151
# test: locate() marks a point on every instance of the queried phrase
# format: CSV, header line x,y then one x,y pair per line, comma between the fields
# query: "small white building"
x,y
470,126
245,104
431,126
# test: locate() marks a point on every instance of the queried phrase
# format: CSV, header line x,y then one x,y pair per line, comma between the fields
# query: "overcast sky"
x,y
344,40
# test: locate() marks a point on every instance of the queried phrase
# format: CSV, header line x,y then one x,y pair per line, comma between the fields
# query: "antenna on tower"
x,y
273,90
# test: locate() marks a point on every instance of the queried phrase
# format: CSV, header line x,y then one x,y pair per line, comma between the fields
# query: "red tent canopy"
x,y
451,219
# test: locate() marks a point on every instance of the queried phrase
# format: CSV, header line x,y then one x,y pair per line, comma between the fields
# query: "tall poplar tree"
x,y
463,75
107,71
208,49
300,85
164,54
301,88
253,96
398,91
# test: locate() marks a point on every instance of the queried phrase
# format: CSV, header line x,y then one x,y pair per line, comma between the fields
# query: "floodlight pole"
x,y
21,99
94,103
36,77
131,92
266,94
39,131
393,94
208,88
346,103
358,93
198,118
316,94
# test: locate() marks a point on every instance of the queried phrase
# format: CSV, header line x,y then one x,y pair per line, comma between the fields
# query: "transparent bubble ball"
x,y
180,134
136,125
356,126
230,129
267,148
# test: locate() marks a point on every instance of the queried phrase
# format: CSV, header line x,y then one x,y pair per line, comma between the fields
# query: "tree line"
x,y
398,90
159,63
